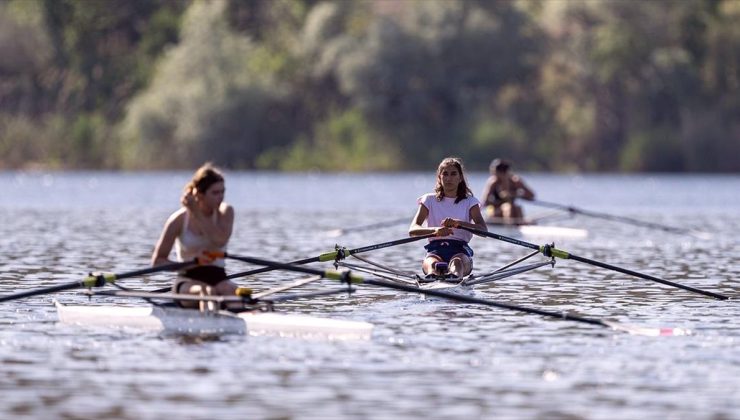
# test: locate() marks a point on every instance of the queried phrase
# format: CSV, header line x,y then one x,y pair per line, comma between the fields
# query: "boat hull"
x,y
539,231
174,320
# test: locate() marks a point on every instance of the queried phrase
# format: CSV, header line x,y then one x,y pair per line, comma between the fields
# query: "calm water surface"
x,y
426,358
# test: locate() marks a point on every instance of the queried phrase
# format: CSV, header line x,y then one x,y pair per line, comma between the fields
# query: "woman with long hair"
x,y
203,223
442,212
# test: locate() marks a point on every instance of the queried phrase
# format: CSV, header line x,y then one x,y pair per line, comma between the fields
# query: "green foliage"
x,y
654,150
207,100
344,142
371,85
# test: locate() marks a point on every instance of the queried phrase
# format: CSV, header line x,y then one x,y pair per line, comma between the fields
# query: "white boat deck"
x,y
192,322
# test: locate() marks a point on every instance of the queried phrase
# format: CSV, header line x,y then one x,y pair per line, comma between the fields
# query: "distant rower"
x,y
502,189
203,223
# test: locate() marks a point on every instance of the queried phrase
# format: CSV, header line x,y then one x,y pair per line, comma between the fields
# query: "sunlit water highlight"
x,y
426,358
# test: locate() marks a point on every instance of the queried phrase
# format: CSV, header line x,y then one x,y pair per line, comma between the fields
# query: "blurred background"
x,y
370,85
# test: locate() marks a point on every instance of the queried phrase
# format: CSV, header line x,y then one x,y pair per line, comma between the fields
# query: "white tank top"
x,y
439,210
190,245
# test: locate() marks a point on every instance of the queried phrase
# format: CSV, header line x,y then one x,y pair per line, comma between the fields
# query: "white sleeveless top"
x,y
189,245
440,210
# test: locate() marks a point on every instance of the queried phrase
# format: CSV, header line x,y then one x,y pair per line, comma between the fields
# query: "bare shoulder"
x,y
175,222
177,217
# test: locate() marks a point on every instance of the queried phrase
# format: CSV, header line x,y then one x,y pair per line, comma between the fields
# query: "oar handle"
x,y
343,276
502,238
388,244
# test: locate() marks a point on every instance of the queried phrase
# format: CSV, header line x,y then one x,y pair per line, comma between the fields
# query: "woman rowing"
x,y
203,223
450,206
502,189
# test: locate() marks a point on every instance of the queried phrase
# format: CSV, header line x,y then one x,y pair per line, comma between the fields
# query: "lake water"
x,y
431,359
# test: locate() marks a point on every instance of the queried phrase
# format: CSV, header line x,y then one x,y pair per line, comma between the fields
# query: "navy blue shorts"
x,y
446,249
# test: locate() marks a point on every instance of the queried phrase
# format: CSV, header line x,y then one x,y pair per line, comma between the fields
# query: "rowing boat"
x,y
168,318
176,320
462,286
538,231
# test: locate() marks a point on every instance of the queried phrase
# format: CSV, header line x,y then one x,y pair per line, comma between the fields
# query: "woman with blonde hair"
x,y
442,212
203,223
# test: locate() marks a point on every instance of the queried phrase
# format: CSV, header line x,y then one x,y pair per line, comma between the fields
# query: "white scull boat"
x,y
171,319
539,231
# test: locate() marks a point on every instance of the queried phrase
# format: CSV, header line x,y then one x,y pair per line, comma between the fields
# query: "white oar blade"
x,y
334,233
649,331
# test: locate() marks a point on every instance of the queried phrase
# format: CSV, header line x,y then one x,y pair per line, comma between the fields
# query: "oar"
x,y
97,280
239,298
339,232
623,219
551,251
337,254
351,278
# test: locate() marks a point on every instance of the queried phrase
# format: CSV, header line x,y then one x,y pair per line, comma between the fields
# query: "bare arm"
x,y
488,192
172,228
522,190
416,228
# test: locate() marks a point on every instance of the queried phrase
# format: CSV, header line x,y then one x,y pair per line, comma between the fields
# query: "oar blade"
x,y
334,233
649,331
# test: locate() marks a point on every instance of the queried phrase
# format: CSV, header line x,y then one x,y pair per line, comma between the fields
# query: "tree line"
x,y
370,84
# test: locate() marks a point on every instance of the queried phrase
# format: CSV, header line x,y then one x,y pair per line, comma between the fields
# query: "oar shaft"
x,y
266,269
647,277
155,269
437,293
276,265
51,289
608,216
388,244
349,278
340,253
486,302
97,280
371,226
552,251
502,238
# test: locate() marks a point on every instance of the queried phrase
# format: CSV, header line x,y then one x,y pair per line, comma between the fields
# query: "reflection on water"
x,y
427,358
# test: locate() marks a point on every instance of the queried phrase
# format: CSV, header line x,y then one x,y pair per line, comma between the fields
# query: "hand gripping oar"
x,y
337,254
98,280
551,251
623,219
351,278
